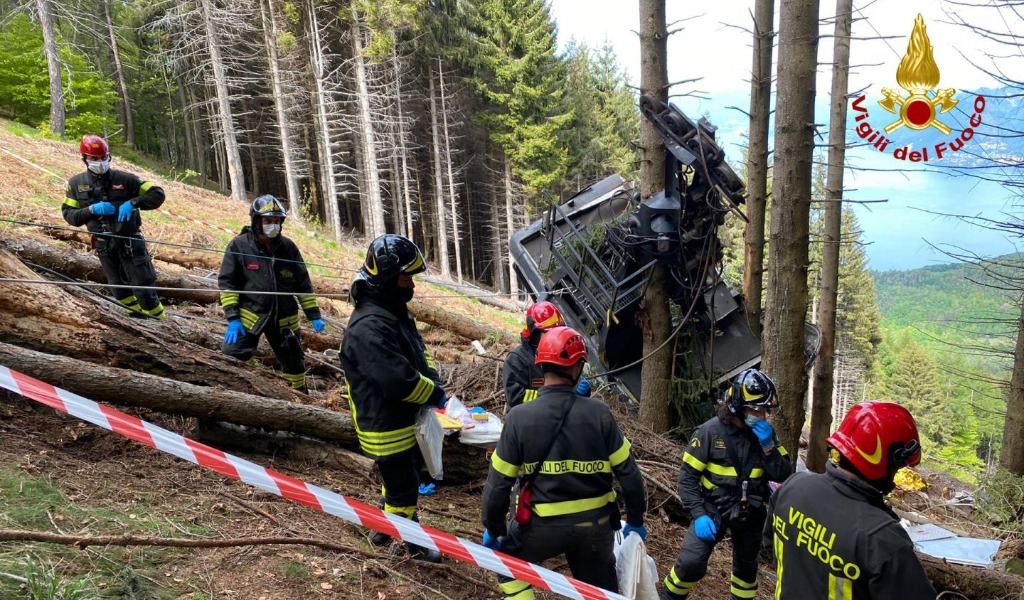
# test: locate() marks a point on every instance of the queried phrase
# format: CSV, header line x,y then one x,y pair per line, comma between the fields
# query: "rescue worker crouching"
x,y
723,482
832,533
565,449
108,202
260,259
521,374
389,374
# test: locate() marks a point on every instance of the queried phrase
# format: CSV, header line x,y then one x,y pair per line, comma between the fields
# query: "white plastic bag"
x,y
455,409
430,438
483,434
635,570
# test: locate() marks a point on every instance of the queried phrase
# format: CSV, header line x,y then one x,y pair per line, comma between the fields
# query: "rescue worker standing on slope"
x,y
724,484
389,374
522,375
566,448
260,259
833,535
108,202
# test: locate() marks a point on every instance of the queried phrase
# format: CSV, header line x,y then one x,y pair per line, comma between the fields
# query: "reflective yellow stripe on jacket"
x,y
422,392
307,302
291,322
569,507
228,299
382,443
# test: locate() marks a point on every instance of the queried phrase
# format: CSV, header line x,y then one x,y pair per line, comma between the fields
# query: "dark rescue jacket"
x,y
390,376
522,376
248,265
834,537
576,477
709,482
117,187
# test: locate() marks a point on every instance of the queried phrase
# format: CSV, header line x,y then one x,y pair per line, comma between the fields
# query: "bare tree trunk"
x,y
287,151
654,82
783,339
654,313
498,249
456,238
821,406
187,123
1012,455
319,99
435,135
52,67
757,161
406,199
227,120
125,106
252,150
510,227
372,204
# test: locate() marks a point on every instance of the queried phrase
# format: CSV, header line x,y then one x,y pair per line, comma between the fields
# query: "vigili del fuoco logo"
x,y
920,108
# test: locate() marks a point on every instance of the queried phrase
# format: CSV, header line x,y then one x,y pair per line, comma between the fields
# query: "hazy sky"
x,y
714,45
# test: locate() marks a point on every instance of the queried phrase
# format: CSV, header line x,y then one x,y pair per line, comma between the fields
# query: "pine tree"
x,y
518,76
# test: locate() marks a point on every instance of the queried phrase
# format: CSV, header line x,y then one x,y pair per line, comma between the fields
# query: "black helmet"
x,y
265,206
752,389
389,256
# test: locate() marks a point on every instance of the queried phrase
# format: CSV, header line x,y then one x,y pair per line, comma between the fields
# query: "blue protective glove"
x,y
124,212
234,332
427,489
442,401
640,530
491,542
318,325
705,528
104,209
583,387
764,432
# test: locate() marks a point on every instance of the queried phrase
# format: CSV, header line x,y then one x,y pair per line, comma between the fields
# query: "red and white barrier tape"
x,y
294,489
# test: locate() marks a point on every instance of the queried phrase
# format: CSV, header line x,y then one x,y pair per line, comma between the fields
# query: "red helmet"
x,y
542,315
561,346
878,438
93,146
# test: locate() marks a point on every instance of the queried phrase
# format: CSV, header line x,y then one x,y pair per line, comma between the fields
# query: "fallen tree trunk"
x,y
484,296
439,316
140,390
50,319
435,315
87,267
974,583
462,463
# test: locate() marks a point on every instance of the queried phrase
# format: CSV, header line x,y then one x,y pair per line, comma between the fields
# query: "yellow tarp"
x,y
907,480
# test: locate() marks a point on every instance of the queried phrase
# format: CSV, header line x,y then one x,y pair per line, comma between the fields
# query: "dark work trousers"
x,y
692,563
401,482
286,347
127,262
586,540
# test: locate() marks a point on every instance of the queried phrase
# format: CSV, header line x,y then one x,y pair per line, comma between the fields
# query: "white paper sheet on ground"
x,y
941,543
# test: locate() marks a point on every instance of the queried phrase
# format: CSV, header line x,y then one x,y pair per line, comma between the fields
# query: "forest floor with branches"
x,y
65,484
63,480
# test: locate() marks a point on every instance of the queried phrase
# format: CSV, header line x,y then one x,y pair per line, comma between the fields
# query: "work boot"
x,y
423,554
379,539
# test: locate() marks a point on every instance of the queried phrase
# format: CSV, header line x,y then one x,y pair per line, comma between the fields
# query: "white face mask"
x,y
271,230
98,167
750,420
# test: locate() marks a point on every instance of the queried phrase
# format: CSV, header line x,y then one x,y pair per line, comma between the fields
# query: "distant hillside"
x,y
958,303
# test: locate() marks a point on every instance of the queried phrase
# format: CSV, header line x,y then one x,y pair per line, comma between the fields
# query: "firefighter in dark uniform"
x,y
521,373
260,259
390,374
568,506
832,533
108,202
724,484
